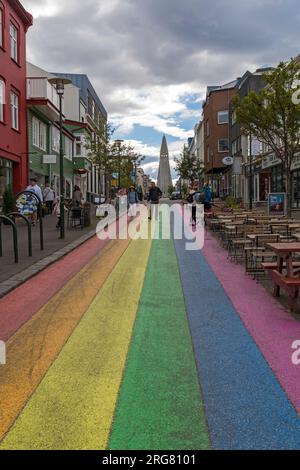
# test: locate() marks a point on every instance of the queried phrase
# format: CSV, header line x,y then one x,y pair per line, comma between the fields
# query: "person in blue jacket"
x,y
208,197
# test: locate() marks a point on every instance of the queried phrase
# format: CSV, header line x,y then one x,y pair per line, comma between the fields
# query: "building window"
x,y
207,128
14,99
55,139
2,99
223,145
14,42
223,117
1,26
39,134
68,148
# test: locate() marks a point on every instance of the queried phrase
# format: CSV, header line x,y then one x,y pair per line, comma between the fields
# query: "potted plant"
x,y
9,203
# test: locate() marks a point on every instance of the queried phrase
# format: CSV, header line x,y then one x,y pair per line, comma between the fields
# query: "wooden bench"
x,y
290,284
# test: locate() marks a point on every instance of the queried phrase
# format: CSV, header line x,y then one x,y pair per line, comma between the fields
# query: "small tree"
x,y
171,190
98,145
273,117
9,202
188,166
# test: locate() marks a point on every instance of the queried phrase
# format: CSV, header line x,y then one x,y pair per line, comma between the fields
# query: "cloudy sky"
x,y
151,60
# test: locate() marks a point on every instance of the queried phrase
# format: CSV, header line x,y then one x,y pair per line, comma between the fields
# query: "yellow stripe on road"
x,y
73,406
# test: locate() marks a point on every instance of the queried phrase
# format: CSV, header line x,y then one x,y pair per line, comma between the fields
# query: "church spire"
x,y
164,180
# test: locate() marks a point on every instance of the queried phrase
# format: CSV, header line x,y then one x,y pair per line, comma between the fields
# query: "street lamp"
x,y
119,144
60,84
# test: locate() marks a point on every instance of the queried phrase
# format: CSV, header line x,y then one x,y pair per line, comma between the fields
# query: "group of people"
x,y
47,196
50,200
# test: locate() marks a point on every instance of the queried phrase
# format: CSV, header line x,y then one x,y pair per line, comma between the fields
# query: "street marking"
x,y
31,351
160,405
73,406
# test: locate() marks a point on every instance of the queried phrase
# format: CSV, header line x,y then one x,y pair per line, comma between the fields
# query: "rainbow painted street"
x,y
144,345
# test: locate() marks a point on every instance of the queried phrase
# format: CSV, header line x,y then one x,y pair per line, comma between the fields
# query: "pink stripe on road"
x,y
21,304
272,328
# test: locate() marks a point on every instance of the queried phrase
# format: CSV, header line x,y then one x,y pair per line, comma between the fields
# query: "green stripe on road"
x,y
160,405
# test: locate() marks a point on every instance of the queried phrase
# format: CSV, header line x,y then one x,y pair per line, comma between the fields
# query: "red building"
x,y
217,133
14,23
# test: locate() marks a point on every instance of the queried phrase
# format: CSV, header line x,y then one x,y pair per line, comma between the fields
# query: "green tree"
x,y
171,190
273,117
125,161
99,148
188,166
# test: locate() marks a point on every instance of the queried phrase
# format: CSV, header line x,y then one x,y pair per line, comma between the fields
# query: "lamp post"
x,y
251,175
212,174
60,84
119,144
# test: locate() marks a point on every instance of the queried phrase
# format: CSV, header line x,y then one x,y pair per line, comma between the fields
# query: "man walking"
x,y
49,197
154,196
34,188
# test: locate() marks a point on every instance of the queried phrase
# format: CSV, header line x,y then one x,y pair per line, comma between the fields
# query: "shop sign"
x,y
277,204
49,159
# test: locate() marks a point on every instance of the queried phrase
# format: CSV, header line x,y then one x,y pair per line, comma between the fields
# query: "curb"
x,y
18,279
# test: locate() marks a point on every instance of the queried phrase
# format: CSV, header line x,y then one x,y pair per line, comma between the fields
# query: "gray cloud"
x,y
131,48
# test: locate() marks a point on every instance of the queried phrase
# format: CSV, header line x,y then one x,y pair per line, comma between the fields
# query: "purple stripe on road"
x,y
270,325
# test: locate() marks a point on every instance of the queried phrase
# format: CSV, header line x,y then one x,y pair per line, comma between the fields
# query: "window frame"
x,y
69,148
39,134
55,139
16,40
226,150
2,26
2,105
219,113
15,119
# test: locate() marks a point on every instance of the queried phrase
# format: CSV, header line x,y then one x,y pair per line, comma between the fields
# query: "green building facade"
x,y
44,145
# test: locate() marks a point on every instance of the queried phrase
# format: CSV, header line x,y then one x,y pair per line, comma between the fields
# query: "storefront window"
x,y
296,190
277,179
5,176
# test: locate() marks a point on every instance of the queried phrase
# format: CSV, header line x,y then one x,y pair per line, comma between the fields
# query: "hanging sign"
x,y
228,161
49,159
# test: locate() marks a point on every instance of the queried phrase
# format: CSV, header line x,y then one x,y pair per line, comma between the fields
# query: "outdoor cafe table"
x,y
284,252
289,227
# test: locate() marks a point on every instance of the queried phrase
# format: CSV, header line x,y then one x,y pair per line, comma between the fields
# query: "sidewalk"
x,y
52,244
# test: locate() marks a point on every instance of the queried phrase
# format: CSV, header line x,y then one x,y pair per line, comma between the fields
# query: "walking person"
x,y
34,188
133,200
208,197
49,197
77,197
154,196
191,199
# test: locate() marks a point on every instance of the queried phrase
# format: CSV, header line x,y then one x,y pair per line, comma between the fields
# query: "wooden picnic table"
x,y
290,282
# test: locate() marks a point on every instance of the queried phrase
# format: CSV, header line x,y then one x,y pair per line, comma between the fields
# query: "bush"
x,y
9,202
232,203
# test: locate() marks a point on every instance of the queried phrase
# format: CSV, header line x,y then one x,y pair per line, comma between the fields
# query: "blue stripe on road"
x,y
245,405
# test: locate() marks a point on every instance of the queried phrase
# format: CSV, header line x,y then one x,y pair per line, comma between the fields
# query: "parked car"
x,y
175,196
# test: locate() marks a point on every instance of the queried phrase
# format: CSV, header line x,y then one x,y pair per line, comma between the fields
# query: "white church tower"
x,y
164,180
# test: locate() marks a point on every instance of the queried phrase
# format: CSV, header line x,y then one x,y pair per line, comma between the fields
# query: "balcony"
x,y
42,94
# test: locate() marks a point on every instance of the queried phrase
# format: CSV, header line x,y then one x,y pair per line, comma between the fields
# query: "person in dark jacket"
x,y
154,196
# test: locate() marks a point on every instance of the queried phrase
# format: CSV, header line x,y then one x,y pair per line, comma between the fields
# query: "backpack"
x,y
200,198
190,199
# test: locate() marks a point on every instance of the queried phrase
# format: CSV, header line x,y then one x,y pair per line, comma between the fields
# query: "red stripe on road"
x,y
20,305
